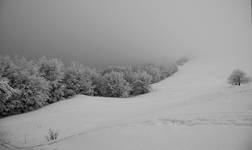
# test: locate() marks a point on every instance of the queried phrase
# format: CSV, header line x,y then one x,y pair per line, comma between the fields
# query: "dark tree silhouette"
x,y
238,77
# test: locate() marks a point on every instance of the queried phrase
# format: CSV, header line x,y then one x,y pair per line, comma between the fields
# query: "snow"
x,y
193,109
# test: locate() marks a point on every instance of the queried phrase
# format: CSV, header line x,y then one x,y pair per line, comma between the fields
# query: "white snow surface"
x,y
195,109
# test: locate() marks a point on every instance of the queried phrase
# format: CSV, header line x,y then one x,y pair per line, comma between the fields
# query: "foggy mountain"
x,y
117,32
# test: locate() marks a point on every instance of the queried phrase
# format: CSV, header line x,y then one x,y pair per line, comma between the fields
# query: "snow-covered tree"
x,y
154,71
53,71
238,77
78,80
168,70
6,91
140,82
182,61
113,84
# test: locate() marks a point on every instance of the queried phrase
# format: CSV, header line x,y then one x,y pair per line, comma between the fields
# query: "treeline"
x,y
47,80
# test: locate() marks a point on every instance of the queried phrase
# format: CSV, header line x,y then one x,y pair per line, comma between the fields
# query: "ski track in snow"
x,y
227,119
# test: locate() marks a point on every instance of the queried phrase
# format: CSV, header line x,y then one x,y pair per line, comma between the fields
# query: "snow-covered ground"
x,y
193,109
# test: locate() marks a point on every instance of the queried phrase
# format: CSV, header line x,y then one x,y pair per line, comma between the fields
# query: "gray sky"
x,y
98,32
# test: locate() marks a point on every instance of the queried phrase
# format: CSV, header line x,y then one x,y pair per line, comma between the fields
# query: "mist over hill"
x,y
121,32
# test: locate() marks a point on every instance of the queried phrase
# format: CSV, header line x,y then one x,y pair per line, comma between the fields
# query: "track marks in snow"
x,y
227,119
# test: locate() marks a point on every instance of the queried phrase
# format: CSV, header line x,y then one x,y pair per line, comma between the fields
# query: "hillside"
x,y
193,109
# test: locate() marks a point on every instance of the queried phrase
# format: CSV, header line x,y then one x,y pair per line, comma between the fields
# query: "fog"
x,y
97,32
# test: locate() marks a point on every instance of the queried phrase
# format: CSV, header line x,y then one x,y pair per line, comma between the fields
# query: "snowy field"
x,y
195,109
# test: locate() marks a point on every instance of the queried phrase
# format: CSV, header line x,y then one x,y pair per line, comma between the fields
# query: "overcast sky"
x,y
98,32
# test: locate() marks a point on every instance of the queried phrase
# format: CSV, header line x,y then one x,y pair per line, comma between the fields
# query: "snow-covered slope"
x,y
193,109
